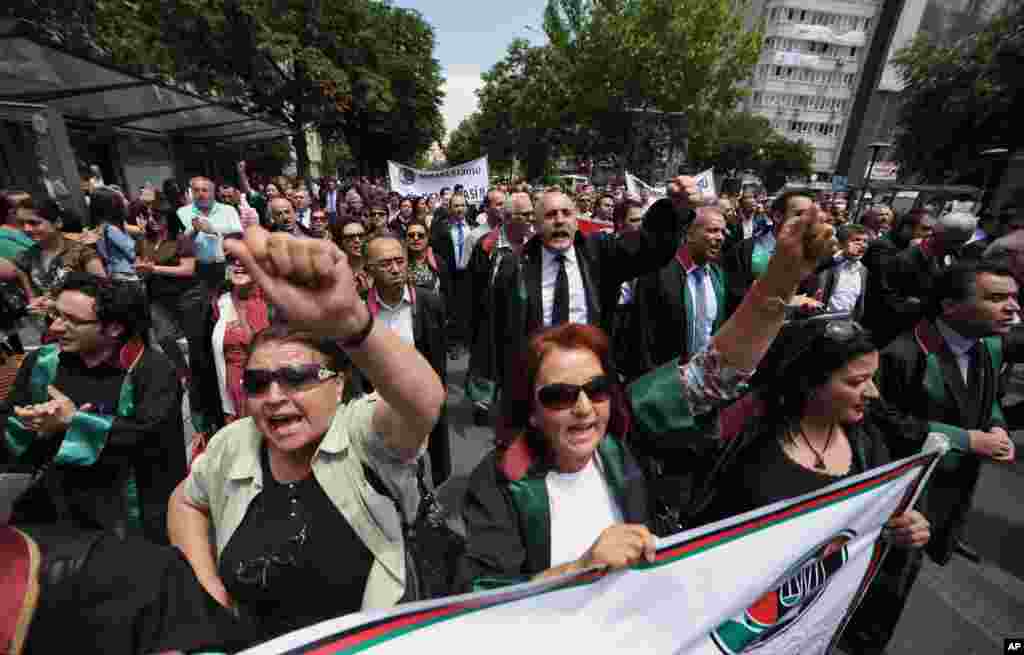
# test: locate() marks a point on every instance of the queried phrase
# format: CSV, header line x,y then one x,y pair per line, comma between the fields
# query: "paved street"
x,y
959,609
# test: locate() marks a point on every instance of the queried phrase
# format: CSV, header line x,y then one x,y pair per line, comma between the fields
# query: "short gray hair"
x,y
957,222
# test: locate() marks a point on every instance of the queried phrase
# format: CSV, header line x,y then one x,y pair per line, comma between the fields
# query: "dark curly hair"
x,y
116,302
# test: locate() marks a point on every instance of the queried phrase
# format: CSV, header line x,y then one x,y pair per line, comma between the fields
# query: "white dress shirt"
x,y
223,219
399,316
702,333
581,508
331,202
847,288
959,345
577,294
461,261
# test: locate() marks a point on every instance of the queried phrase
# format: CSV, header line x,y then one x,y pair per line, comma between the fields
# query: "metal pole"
x,y
867,183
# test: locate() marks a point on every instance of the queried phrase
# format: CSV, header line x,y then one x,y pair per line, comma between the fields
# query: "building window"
x,y
789,14
853,51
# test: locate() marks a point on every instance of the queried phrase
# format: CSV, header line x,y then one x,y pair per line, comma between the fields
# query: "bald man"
x,y
561,276
686,297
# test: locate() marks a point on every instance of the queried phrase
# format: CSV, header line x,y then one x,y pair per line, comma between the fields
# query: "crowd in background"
x,y
311,325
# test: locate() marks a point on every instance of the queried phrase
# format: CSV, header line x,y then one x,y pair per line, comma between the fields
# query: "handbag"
x,y
432,547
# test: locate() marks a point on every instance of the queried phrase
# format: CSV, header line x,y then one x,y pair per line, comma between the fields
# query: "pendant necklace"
x,y
819,458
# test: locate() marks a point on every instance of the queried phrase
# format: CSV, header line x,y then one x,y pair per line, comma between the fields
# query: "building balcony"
x,y
816,33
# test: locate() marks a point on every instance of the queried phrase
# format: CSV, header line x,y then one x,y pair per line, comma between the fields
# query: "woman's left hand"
x,y
908,530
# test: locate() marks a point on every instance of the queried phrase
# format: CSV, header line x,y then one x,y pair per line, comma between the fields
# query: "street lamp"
x,y
875,148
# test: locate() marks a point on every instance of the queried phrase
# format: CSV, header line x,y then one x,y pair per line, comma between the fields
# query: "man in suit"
x,y
449,238
561,276
331,199
913,273
747,259
943,374
841,285
417,315
686,297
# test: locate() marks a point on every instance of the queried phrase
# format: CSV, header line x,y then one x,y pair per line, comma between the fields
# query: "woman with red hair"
x,y
562,492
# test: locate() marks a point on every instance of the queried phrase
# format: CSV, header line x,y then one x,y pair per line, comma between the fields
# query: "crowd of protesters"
x,y
311,326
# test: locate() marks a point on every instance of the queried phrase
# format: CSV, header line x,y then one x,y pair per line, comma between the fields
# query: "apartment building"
x,y
807,75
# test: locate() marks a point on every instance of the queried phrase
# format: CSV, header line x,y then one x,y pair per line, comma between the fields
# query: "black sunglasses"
x,y
563,396
291,378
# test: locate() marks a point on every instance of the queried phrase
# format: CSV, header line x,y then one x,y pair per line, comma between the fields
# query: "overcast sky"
x,y
472,35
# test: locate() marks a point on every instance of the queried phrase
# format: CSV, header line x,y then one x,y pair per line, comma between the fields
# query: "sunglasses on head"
x,y
291,378
564,396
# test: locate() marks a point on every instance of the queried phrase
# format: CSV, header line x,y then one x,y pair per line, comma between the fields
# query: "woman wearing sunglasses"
x,y
288,516
562,492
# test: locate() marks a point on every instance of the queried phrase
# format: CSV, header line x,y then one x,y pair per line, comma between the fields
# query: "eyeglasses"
x,y
378,214
415,236
70,321
564,396
291,378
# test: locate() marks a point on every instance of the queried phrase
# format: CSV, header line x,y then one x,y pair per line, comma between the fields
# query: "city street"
x,y
960,609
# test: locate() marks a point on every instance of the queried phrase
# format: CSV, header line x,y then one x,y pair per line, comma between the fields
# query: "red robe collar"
x,y
373,299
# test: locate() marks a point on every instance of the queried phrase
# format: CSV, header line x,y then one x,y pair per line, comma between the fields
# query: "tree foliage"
x,y
605,64
742,142
960,100
358,70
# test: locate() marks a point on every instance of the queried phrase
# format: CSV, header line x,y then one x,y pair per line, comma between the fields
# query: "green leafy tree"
x,y
358,70
675,57
962,99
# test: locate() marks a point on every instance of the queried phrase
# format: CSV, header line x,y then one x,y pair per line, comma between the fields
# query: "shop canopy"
x,y
87,91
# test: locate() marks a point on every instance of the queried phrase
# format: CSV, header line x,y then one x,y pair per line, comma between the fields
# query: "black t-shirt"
x,y
294,560
763,473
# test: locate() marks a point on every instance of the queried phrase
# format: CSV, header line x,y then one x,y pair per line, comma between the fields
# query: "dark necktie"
x,y
560,307
461,242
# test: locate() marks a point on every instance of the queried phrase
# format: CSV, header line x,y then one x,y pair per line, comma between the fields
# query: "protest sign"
x,y
473,175
782,579
706,183
635,185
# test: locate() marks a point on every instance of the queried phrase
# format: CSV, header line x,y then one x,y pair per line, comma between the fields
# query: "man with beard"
x,y
750,221
562,276
417,316
504,240
687,297
99,412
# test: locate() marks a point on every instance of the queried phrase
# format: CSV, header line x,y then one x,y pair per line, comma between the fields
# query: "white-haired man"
x,y
913,273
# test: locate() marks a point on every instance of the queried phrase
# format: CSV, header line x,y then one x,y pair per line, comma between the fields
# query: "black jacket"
x,y
662,314
822,284
739,271
905,365
507,544
146,450
605,262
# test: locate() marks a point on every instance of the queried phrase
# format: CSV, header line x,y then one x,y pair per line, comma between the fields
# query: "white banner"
x,y
635,185
473,175
779,580
706,183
